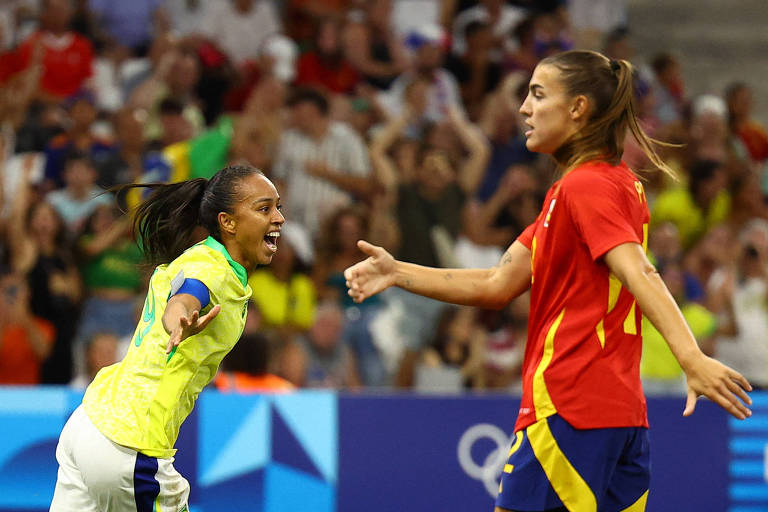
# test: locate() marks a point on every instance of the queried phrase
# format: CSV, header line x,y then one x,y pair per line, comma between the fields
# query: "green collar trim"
x,y
240,272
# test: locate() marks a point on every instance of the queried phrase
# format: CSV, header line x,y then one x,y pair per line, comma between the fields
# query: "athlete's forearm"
x,y
469,287
175,310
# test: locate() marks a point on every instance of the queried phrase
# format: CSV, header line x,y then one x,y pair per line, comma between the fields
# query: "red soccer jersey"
x,y
66,61
582,359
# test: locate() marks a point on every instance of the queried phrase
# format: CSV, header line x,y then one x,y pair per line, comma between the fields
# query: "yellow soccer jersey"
x,y
142,401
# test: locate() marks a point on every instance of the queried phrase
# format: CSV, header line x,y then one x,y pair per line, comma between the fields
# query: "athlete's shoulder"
x,y
203,259
597,177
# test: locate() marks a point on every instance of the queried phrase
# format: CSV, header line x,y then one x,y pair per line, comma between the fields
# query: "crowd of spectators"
x,y
391,120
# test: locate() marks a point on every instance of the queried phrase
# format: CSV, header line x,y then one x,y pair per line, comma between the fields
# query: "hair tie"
x,y
615,66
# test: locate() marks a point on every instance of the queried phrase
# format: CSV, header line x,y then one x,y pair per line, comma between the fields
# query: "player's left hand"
x,y
721,384
190,326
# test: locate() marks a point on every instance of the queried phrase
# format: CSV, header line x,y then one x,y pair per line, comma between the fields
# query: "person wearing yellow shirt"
x,y
695,208
116,450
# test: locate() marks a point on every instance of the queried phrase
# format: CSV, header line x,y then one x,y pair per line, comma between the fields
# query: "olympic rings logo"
x,y
489,471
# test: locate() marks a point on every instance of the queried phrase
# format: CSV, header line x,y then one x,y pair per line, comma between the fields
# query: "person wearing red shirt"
x,y
66,57
25,340
326,65
581,438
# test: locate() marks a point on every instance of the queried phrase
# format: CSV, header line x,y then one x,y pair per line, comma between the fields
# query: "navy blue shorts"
x,y
553,465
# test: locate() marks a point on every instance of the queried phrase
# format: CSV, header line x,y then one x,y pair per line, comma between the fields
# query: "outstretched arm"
x,y
182,319
706,376
487,288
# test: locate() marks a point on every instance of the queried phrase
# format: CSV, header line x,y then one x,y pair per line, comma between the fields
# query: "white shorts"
x,y
97,475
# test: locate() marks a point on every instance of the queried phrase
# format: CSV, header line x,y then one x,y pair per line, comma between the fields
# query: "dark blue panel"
x,y
689,456
400,452
186,446
287,450
245,492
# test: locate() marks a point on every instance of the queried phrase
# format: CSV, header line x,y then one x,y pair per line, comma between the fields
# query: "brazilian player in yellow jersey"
x,y
116,451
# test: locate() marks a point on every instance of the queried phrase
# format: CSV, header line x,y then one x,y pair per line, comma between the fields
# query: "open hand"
x,y
372,275
190,326
724,386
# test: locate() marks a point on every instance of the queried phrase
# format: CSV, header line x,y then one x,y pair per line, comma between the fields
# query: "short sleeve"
x,y
200,265
601,212
526,237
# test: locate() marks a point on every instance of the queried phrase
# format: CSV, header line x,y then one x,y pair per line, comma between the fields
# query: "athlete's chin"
x,y
537,147
266,259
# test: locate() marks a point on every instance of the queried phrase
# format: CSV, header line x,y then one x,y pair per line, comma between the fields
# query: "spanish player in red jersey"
x,y
581,437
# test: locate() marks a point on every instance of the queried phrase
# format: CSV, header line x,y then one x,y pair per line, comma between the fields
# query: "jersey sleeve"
x,y
526,237
197,265
602,212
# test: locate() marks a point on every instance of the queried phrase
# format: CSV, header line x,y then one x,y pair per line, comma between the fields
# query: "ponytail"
x,y
609,84
166,222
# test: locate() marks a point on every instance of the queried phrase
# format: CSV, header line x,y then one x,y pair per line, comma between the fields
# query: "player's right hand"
x,y
190,326
372,275
721,384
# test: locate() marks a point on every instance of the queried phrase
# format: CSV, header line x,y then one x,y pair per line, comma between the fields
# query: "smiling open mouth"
x,y
271,240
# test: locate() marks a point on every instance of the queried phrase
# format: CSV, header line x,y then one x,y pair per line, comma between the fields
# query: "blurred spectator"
x,y
283,292
474,70
325,66
39,251
80,196
738,96
592,19
26,340
240,27
128,161
128,24
668,89
323,163
428,44
500,122
708,131
747,200
428,212
490,227
321,360
246,368
174,80
713,252
739,294
301,16
337,249
507,333
79,137
702,204
456,357
173,125
524,56
665,249
659,370
499,15
185,16
371,45
65,56
101,350
258,128
429,209
109,265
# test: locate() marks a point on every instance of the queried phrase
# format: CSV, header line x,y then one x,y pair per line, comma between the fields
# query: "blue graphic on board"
x,y
267,452
748,446
30,422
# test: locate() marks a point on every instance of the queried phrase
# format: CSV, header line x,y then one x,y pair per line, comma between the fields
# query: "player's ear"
x,y
227,223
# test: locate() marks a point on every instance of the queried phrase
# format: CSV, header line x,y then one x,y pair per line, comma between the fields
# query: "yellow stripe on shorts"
x,y
639,505
570,487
